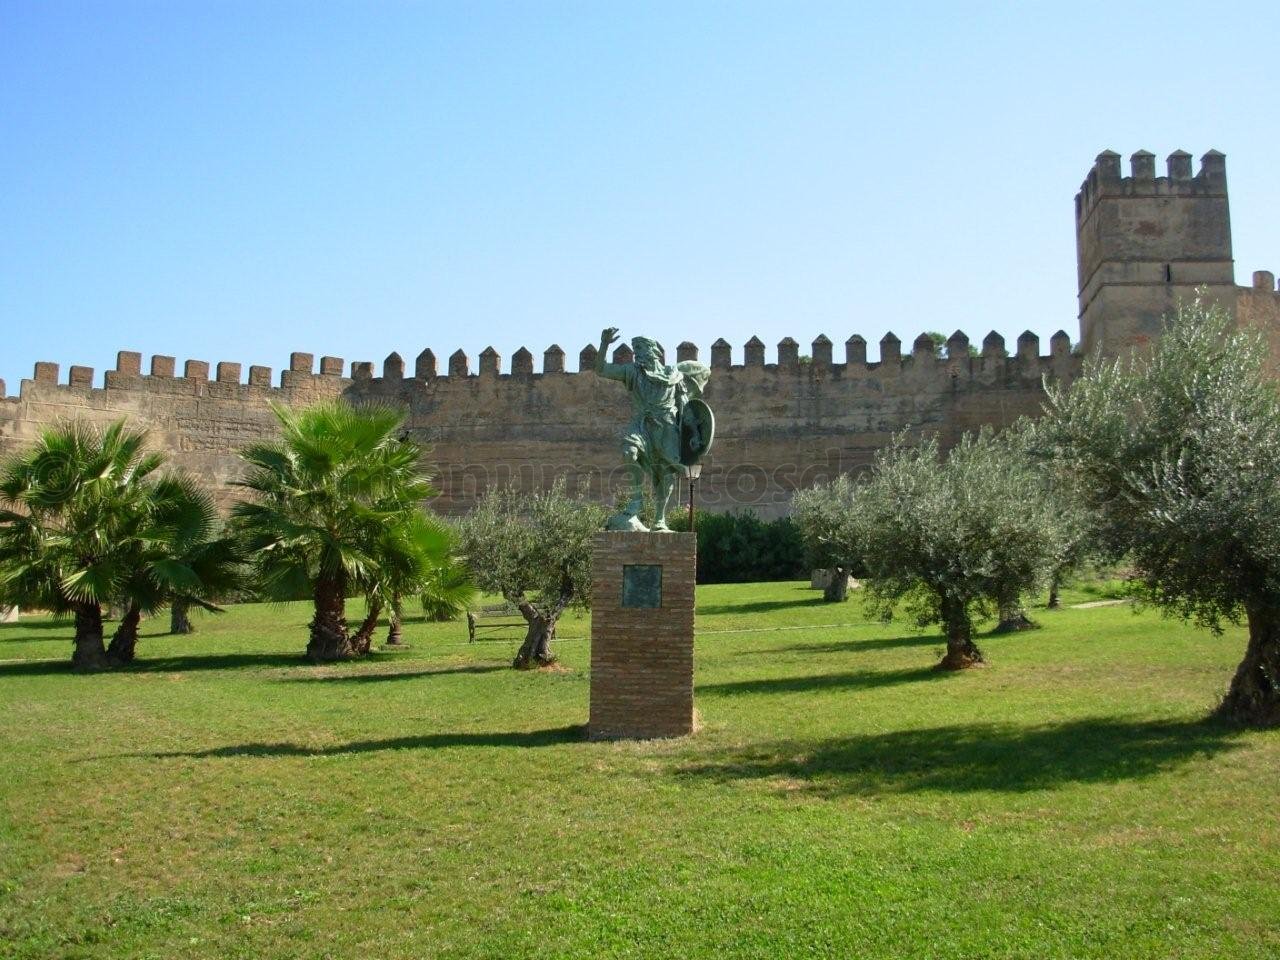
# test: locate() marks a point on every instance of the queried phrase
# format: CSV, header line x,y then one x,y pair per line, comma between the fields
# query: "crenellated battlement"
x,y
1106,178
785,417
196,374
228,377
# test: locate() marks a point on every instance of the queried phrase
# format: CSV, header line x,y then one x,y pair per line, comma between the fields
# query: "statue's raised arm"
x,y
670,428
603,368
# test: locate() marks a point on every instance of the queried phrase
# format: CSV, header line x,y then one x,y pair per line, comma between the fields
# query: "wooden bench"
x,y
500,621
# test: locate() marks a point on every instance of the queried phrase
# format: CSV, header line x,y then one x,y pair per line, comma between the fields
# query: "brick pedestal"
x,y
642,635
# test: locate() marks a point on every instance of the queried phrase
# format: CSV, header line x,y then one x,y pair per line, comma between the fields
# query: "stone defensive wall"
x,y
1257,308
782,424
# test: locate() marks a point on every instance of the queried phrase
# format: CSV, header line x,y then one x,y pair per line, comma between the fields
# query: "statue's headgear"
x,y
651,345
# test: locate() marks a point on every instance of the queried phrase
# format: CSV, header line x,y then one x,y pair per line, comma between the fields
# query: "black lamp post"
x,y
693,471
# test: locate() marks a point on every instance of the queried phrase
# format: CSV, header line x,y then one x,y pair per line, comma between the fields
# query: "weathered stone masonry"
x,y
1142,242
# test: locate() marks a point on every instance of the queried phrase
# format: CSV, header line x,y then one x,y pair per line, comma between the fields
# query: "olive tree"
x,y
826,516
1178,454
1068,530
535,550
949,538
1075,534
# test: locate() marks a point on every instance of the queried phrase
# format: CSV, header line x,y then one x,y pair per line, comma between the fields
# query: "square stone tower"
x,y
1143,242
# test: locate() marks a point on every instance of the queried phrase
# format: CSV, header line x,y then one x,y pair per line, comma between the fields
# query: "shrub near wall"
x,y
742,548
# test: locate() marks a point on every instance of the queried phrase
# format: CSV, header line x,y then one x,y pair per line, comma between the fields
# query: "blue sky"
x,y
233,181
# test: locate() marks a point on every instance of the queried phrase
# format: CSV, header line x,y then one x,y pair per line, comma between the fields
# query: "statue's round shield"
x,y
697,430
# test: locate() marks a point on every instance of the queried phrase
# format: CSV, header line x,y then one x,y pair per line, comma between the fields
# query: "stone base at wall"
x,y
642,635
820,579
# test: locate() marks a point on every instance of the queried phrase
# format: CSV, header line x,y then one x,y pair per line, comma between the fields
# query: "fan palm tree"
x,y
412,549
88,519
335,512
178,561
448,592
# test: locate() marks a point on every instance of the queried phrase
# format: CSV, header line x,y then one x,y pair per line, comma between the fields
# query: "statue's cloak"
x,y
659,394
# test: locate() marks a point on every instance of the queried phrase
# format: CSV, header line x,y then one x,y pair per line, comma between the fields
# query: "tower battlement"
x,y
1106,178
1144,242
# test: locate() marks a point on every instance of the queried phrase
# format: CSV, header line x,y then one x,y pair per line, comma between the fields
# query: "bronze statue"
x,y
671,427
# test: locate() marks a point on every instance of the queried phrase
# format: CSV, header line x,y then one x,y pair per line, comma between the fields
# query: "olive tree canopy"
x,y
1178,455
948,538
535,550
826,516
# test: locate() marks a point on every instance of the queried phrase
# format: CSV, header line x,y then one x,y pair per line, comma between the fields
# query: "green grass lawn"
x,y
222,799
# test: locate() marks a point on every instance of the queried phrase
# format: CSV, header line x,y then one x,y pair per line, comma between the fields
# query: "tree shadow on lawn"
x,y
38,631
854,646
150,628
402,674
429,741
982,756
761,606
856,680
43,623
183,664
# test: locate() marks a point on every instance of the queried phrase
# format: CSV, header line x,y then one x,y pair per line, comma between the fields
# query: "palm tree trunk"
x,y
329,637
125,642
362,639
1254,696
89,653
962,652
180,618
395,633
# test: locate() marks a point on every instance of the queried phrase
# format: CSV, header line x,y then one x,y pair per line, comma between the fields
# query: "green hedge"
x,y
742,548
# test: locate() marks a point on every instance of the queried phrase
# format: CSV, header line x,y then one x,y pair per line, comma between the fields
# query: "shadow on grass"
x,y
429,741
984,756
760,606
67,629
42,624
859,680
228,661
854,646
401,674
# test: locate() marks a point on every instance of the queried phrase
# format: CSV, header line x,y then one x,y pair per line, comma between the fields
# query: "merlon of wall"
x,y
128,375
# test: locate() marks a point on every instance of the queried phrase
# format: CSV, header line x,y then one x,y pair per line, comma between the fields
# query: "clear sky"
x,y
235,180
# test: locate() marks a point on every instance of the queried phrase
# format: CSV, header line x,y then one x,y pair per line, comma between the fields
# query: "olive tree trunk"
x,y
180,618
536,649
837,588
962,652
124,643
1254,696
1013,616
1054,601
329,637
89,653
